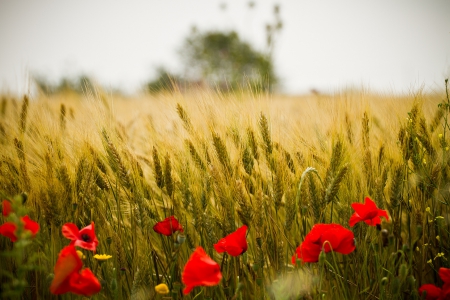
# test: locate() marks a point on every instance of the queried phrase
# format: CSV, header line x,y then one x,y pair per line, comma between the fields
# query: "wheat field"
x,y
278,164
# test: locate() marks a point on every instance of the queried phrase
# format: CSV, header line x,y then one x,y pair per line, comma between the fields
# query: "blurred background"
x,y
285,46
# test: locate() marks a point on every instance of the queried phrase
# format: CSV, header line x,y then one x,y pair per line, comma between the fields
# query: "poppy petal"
x,y
70,231
355,218
360,208
88,240
168,226
373,222
367,212
369,204
340,239
444,273
234,244
433,292
383,213
200,270
315,234
30,225
220,246
8,229
84,238
294,258
309,252
346,242
85,283
68,263
328,236
7,209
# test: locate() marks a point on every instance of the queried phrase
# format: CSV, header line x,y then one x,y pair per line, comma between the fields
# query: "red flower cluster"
x,y
9,229
68,277
84,238
329,237
367,212
234,244
437,293
168,226
200,270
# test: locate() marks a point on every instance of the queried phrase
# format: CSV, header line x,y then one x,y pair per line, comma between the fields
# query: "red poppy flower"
x,y
367,212
444,273
200,270
433,292
168,226
8,229
68,277
337,238
84,238
437,293
7,209
234,244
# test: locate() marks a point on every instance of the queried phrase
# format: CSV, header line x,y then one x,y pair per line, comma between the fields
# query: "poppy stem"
x,y
198,294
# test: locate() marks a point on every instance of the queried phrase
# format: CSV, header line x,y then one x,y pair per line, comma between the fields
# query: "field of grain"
x,y
277,164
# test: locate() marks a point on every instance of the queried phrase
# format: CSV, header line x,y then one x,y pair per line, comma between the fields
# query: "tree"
x,y
226,62
165,81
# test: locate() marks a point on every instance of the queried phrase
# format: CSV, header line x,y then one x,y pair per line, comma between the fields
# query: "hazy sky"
x,y
385,45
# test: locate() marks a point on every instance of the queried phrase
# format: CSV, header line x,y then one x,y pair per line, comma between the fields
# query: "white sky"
x,y
384,45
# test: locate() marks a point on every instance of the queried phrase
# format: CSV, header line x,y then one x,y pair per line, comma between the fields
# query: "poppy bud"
x,y
395,286
259,242
181,237
24,197
102,282
176,286
405,248
322,257
49,278
403,271
411,281
384,237
19,284
239,287
113,284
419,231
304,210
259,281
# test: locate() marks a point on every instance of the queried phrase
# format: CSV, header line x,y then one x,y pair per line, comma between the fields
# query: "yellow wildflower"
x,y
102,257
440,135
438,238
162,288
80,254
441,254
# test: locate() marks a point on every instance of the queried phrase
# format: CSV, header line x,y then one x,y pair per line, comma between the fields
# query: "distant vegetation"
x,y
219,61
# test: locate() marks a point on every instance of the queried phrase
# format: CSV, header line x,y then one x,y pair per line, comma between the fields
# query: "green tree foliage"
x,y
224,61
165,81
